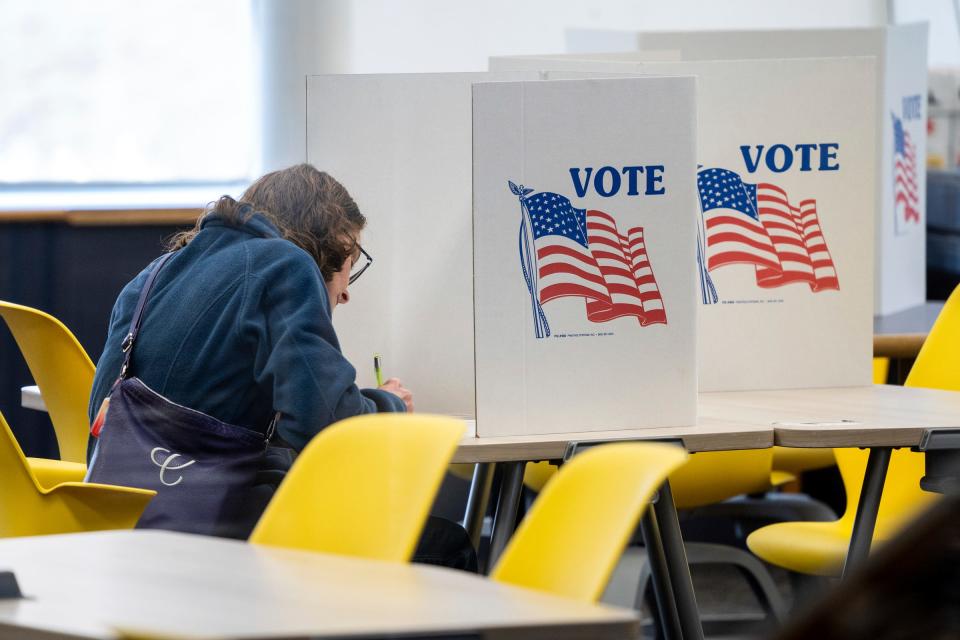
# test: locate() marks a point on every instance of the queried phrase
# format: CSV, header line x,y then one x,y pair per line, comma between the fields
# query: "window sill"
x,y
111,205
29,199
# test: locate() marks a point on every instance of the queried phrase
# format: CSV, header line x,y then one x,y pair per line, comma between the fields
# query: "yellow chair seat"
x,y
807,547
61,503
780,478
821,547
49,473
796,460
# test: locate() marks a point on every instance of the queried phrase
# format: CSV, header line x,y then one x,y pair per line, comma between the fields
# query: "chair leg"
x,y
756,574
749,567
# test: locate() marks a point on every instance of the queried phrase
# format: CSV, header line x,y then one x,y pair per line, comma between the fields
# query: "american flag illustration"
x,y
757,224
906,201
565,251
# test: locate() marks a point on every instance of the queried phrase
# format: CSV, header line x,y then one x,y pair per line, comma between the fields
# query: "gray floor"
x,y
722,595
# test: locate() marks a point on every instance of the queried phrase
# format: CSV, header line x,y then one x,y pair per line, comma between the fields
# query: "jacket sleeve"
x,y
297,354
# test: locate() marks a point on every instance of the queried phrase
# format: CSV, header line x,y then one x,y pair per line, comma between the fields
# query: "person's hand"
x,y
394,386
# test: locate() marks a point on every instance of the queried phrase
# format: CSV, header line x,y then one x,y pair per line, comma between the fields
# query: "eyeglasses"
x,y
361,264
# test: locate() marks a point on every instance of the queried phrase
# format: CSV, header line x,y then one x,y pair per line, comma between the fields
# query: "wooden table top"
x,y
901,334
709,434
30,398
128,583
878,415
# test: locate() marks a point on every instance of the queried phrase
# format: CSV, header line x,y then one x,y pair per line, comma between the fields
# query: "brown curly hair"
x,y
309,208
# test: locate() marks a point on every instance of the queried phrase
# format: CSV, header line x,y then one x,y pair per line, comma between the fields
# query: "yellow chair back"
x,y
27,508
707,477
579,525
935,368
820,547
902,497
881,367
936,363
363,487
794,461
62,370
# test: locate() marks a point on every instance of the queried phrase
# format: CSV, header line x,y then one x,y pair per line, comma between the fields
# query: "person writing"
x,y
237,324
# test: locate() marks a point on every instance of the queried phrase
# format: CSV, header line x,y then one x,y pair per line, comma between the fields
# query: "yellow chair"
x,y
62,370
936,363
28,508
578,527
714,476
821,547
707,477
790,462
50,473
363,487
881,367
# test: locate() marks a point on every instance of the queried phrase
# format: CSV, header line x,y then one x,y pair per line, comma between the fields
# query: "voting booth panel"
x,y
401,145
901,52
584,255
404,146
785,191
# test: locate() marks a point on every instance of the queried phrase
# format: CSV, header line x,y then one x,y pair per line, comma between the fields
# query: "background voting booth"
x,y
401,144
785,187
901,53
592,296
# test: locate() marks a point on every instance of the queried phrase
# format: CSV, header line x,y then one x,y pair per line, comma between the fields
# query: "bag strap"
x,y
130,338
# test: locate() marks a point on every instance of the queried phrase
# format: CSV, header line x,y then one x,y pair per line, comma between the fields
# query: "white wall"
x,y
456,35
310,37
944,38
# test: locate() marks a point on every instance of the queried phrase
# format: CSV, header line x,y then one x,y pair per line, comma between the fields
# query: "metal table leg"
x,y
676,557
477,501
667,614
867,508
505,518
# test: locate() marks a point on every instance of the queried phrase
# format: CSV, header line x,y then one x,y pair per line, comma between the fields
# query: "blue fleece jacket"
x,y
238,326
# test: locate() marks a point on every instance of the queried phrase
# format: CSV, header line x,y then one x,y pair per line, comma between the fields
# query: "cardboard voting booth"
x,y
405,147
402,146
785,189
900,94
584,277
943,122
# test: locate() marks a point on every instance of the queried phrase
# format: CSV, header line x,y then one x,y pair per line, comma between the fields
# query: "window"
x,y
126,91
